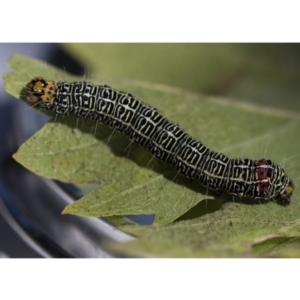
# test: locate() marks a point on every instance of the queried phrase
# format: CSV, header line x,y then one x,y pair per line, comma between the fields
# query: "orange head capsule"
x,y
41,90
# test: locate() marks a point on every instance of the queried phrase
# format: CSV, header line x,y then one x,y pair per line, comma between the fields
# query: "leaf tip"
x,y
15,156
65,212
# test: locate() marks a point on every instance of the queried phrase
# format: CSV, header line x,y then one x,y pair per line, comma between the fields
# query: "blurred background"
x,y
30,220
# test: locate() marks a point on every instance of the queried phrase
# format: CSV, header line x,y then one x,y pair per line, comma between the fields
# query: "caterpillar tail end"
x,y
285,197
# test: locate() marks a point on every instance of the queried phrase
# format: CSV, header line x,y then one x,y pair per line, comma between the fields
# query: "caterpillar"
x,y
255,179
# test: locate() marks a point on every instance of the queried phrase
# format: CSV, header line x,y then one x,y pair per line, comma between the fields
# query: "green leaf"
x,y
235,231
131,182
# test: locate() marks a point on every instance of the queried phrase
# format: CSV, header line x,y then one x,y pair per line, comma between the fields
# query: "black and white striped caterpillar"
x,y
143,124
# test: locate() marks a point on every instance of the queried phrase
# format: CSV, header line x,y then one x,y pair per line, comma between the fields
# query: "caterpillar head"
x,y
41,91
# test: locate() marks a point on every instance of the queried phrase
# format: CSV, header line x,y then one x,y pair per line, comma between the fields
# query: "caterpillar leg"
x,y
217,193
